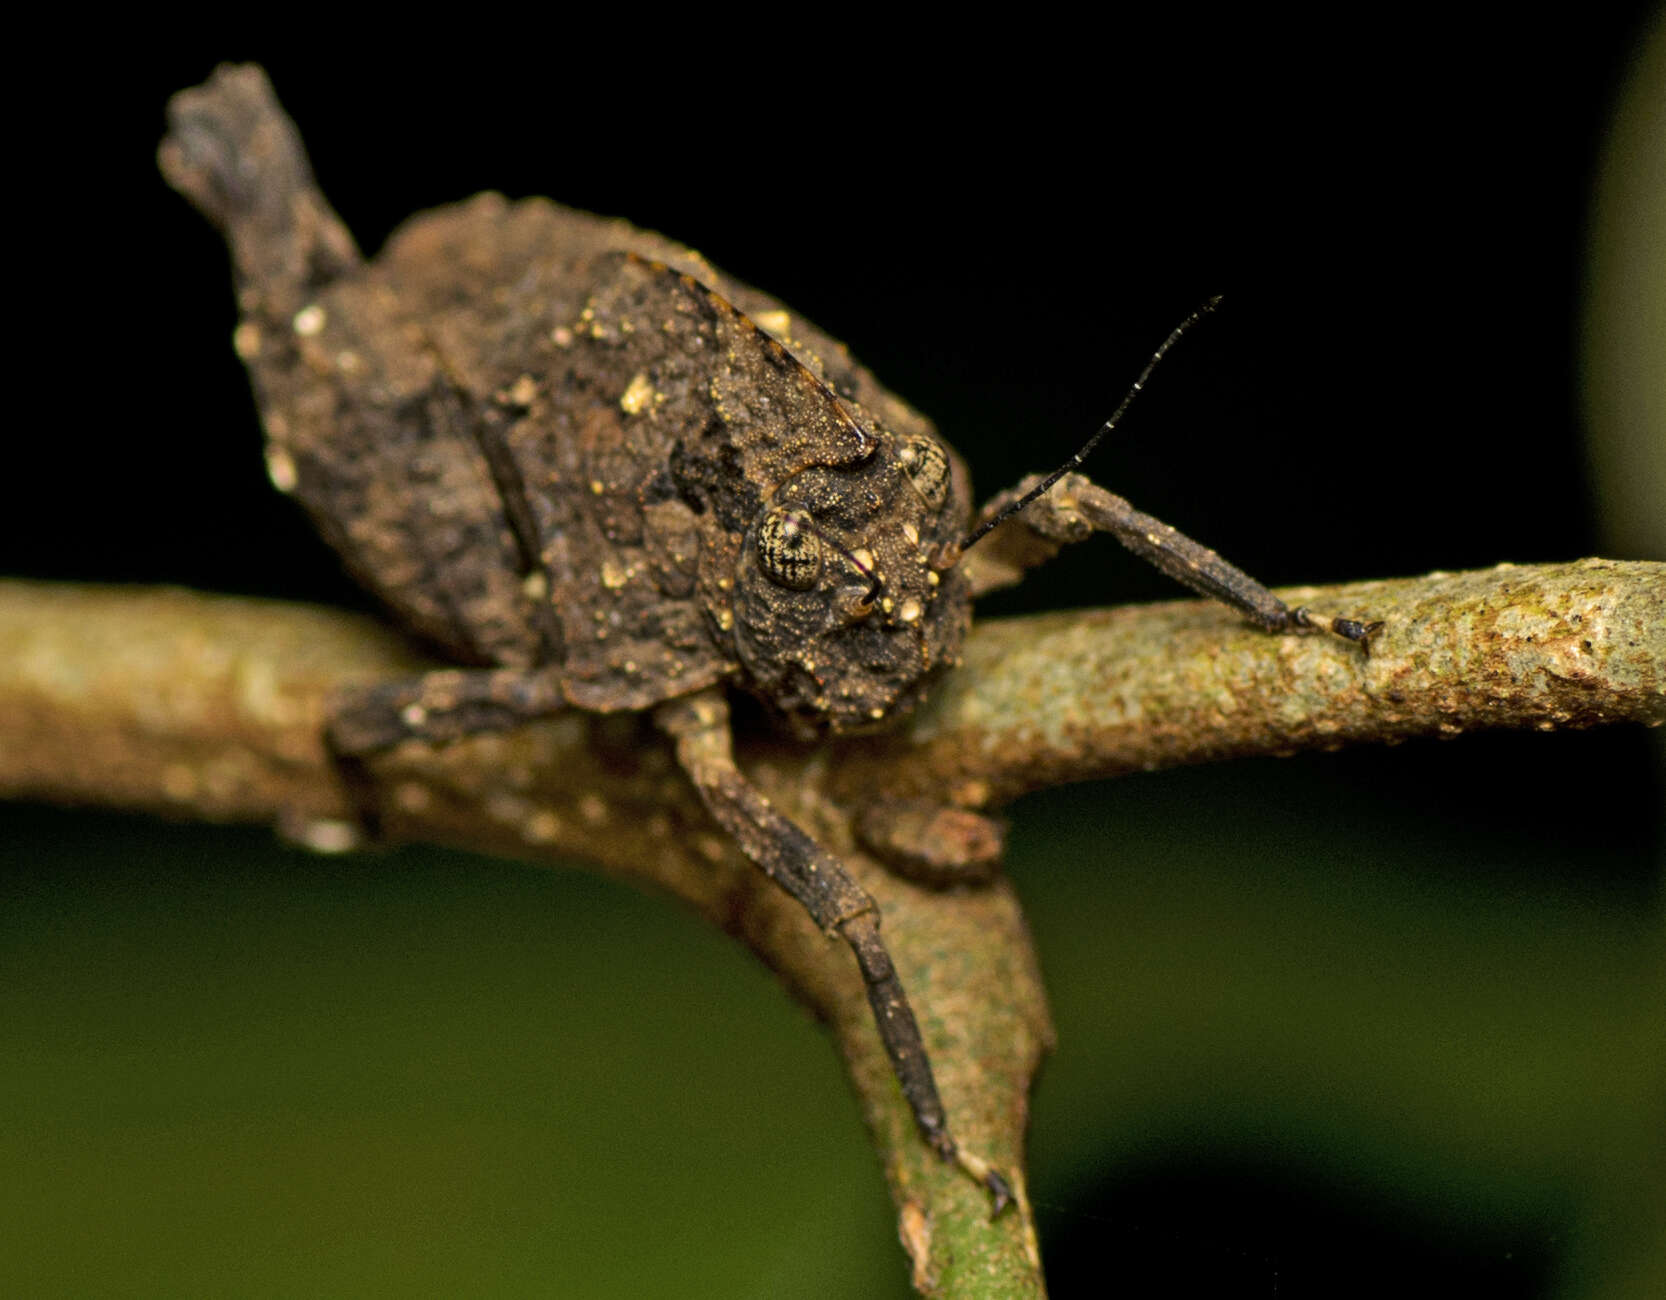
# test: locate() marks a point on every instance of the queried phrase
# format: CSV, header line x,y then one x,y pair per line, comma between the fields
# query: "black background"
x,y
1394,214
1002,224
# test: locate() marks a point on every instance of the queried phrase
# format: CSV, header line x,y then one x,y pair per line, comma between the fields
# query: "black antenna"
x,y
874,584
984,528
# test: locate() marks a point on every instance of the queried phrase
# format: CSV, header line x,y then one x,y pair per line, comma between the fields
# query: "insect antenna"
x,y
874,584
1174,337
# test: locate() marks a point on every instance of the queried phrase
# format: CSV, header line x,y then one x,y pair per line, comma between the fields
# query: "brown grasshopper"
x,y
601,474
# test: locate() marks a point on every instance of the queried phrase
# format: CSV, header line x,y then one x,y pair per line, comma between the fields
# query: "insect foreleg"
x,y
825,889
1077,507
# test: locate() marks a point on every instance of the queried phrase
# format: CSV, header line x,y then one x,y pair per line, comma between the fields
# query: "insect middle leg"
x,y
447,704
699,725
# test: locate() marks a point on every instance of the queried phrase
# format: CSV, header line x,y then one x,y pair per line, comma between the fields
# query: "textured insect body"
x,y
522,390
578,457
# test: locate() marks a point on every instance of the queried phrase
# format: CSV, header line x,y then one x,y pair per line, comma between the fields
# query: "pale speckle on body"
x,y
637,396
280,469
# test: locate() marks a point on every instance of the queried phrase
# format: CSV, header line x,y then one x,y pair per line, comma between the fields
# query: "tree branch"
x,y
212,707
1096,693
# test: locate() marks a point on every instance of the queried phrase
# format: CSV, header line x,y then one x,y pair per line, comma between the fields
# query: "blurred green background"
x,y
1370,1023
1303,1051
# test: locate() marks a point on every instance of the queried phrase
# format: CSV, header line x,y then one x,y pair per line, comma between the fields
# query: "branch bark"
x,y
212,708
1096,693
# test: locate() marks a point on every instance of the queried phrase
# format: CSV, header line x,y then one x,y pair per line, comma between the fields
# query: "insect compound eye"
x,y
928,466
789,551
